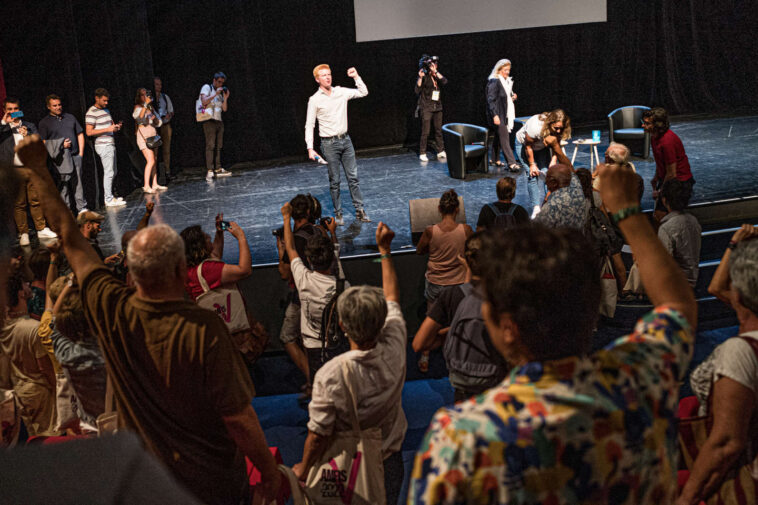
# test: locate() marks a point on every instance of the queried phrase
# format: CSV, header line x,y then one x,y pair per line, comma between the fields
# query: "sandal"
x,y
499,164
423,363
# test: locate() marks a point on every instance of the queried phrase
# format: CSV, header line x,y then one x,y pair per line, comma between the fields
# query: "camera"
x,y
426,62
279,233
325,222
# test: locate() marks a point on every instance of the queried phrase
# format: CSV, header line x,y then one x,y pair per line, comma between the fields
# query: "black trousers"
x,y
214,141
394,472
502,140
427,118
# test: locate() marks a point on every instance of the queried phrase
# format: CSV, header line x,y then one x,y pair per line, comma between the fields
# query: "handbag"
x,y
201,112
351,470
739,487
608,289
153,142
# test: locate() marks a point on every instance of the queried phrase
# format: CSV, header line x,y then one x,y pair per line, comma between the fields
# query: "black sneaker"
x,y
361,216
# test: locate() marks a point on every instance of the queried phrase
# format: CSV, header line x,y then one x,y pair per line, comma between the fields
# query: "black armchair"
x,y
625,127
466,149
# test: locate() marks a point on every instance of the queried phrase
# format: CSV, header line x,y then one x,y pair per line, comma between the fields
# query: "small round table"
x,y
594,158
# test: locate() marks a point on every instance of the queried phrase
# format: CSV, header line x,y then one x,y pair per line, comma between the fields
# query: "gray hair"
x,y
500,64
154,254
743,271
362,311
618,153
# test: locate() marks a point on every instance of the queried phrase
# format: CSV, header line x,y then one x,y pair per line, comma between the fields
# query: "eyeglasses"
x,y
558,128
647,123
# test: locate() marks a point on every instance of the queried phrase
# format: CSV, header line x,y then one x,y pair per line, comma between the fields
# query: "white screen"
x,y
399,19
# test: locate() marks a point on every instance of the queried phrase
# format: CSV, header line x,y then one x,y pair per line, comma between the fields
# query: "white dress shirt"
x,y
331,110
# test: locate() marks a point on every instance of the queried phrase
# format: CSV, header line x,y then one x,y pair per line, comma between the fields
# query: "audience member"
x,y
445,243
316,286
680,231
39,261
12,129
726,383
455,318
671,161
178,380
53,288
146,120
64,140
566,205
32,373
503,213
89,227
302,230
213,98
375,363
117,261
567,426
98,124
166,114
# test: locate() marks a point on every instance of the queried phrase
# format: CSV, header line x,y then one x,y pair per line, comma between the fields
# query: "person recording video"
x,y
146,121
428,89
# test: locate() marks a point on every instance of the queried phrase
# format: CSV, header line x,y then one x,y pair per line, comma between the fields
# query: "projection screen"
x,y
399,19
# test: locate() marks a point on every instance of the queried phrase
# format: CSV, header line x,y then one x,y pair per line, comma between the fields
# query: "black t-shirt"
x,y
444,307
301,236
428,86
487,217
61,127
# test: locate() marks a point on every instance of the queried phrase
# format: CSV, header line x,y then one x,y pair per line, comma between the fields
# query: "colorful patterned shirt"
x,y
587,430
566,207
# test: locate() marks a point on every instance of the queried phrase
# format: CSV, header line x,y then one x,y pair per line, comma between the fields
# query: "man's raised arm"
x,y
80,254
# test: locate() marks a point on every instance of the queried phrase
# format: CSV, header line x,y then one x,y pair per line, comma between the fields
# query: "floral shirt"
x,y
566,207
592,429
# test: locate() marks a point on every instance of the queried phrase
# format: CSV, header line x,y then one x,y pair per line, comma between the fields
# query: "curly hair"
x,y
527,273
319,251
449,203
548,118
195,245
660,119
301,207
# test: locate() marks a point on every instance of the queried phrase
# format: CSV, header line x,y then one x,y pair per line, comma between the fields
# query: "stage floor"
x,y
722,153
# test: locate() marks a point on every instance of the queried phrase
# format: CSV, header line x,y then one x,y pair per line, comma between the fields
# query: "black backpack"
x,y
606,239
331,335
503,219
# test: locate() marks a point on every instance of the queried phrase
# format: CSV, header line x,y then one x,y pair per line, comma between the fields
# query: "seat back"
x,y
627,117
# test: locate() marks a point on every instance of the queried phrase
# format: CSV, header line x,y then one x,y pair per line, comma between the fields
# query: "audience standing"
x,y
214,98
166,114
99,125
428,88
146,121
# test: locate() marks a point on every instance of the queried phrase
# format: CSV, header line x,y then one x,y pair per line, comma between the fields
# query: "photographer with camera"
x,y
146,121
213,101
430,104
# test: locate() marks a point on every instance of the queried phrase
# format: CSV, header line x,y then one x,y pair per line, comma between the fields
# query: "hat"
x,y
88,216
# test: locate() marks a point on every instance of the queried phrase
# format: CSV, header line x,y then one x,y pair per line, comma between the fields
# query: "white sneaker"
x,y
209,176
23,239
536,210
223,173
115,203
441,155
423,157
46,233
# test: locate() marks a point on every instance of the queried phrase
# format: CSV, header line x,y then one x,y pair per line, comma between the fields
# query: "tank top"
x,y
444,268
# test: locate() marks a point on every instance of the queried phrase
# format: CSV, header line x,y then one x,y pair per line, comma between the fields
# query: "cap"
x,y
89,216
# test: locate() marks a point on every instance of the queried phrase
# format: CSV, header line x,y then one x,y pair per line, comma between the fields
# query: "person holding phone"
x,y
12,130
100,126
146,121
214,98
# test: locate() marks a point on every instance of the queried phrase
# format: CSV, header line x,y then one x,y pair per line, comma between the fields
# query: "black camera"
x,y
426,62
279,233
325,221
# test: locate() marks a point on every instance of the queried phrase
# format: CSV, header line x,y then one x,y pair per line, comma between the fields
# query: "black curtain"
x,y
688,56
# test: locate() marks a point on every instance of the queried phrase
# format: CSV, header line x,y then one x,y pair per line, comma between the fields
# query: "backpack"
x,y
503,219
331,335
606,239
473,362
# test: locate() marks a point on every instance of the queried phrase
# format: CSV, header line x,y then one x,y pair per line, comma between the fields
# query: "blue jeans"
x,y
536,185
336,152
107,153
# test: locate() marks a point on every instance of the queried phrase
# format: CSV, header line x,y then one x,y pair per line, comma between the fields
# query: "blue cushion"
x,y
629,132
472,151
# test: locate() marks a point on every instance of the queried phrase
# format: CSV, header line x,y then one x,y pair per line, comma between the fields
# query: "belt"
x,y
336,137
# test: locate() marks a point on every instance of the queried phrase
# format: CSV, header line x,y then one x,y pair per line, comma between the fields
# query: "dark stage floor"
x,y
722,152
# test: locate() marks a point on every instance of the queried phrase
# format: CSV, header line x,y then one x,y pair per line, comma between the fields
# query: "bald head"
x,y
558,176
617,153
156,260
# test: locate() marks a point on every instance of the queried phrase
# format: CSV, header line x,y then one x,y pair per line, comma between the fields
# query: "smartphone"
x,y
224,225
17,114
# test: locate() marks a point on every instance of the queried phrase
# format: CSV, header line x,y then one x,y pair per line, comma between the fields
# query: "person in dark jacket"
x,y
501,113
428,90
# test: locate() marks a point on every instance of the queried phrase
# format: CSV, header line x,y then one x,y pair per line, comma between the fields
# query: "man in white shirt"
x,y
100,126
165,113
329,105
214,100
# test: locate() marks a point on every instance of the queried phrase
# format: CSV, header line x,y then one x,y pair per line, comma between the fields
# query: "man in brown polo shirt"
x,y
179,382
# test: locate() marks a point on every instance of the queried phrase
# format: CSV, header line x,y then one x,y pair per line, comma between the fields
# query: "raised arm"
x,y
80,254
289,238
145,221
217,251
662,278
384,236
720,285
233,273
361,89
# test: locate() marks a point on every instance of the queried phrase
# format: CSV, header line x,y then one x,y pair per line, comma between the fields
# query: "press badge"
x,y
435,95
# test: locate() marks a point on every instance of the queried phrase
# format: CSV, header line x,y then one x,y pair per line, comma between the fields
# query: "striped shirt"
x,y
99,119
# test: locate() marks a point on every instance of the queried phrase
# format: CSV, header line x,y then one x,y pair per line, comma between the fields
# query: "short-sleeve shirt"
x,y
176,373
148,119
44,333
487,217
580,430
64,126
215,105
668,149
315,290
212,270
377,375
566,207
19,341
533,128
680,234
99,119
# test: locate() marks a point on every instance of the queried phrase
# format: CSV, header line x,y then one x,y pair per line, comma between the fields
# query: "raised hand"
x,y
384,236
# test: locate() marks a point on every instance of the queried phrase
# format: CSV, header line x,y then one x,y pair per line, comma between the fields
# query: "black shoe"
x,y
515,168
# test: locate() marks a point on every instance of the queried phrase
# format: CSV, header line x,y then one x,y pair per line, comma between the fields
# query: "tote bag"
x,y
608,289
227,302
351,471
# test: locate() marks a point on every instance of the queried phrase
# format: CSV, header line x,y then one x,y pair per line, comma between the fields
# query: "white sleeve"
x,y
360,90
299,273
737,361
534,127
136,112
310,123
